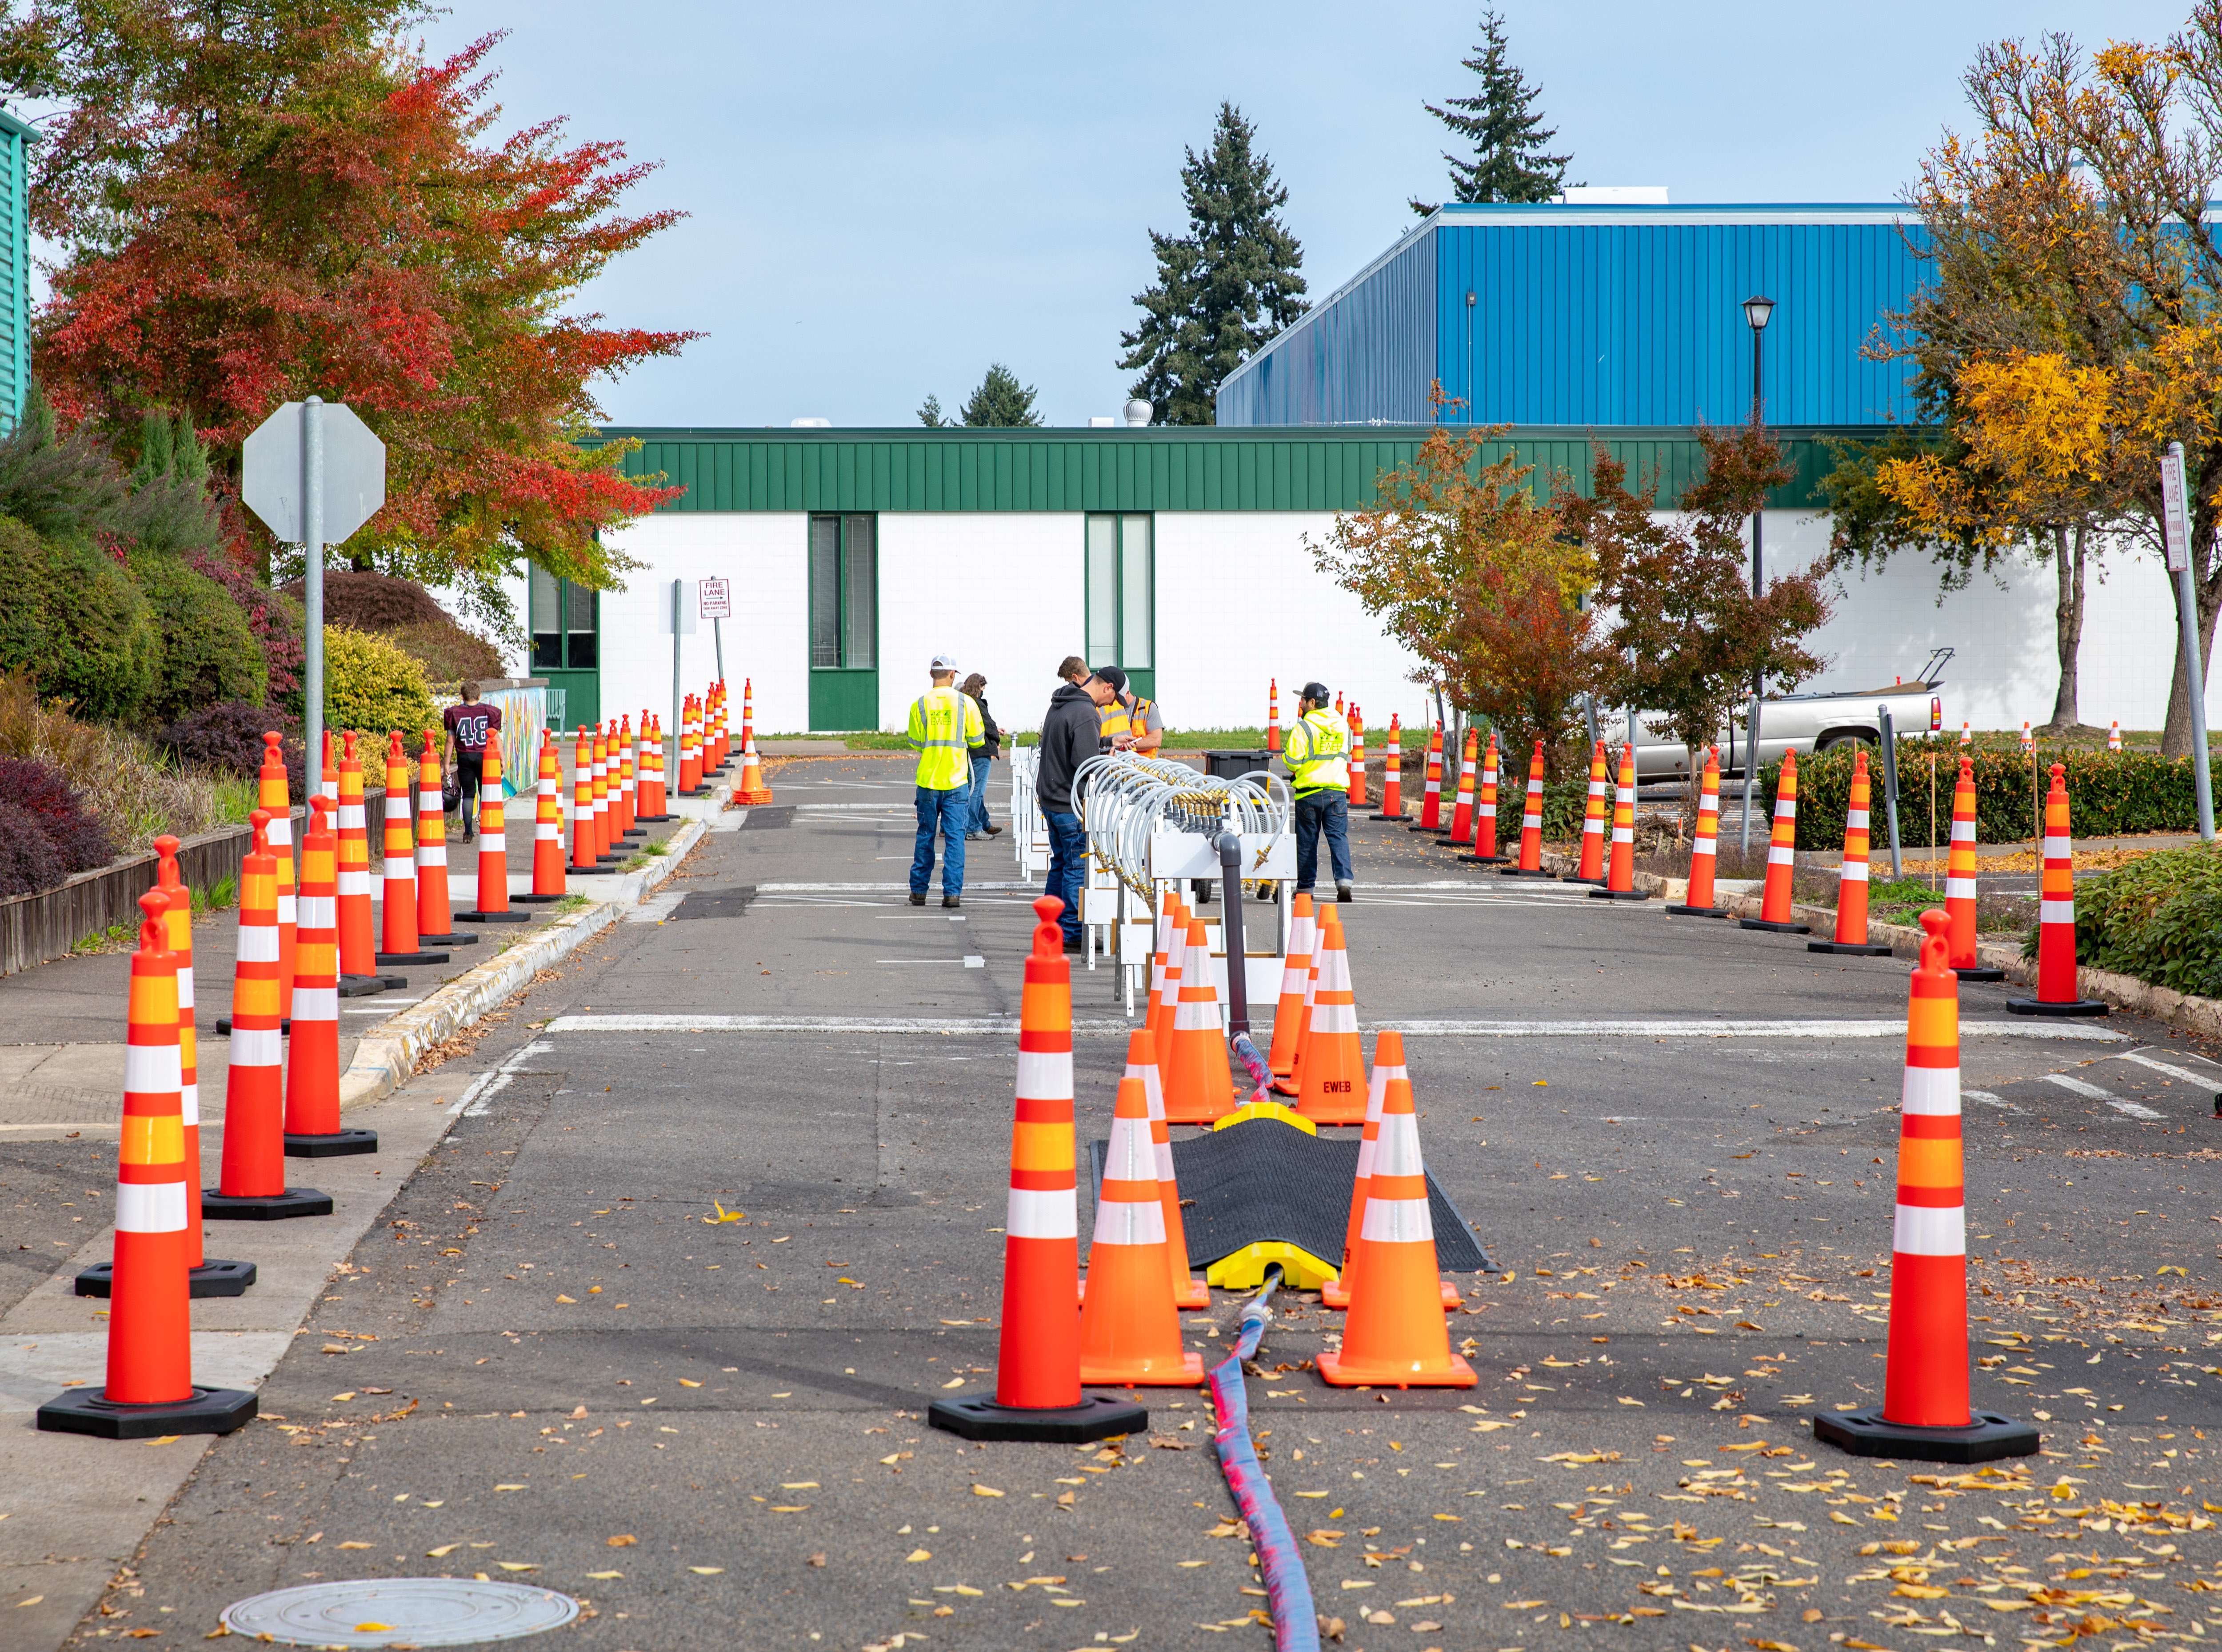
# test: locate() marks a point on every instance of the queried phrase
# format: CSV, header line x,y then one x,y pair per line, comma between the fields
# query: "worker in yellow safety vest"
x,y
1318,776
1128,714
944,725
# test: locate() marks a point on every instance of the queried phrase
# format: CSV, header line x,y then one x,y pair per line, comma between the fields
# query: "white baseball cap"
x,y
944,662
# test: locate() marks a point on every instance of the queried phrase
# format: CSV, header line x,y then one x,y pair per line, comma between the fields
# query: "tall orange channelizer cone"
x,y
1396,1335
603,851
1590,868
1620,866
1531,824
1296,975
1190,1290
1355,793
624,792
1173,944
312,1057
1431,796
435,923
1273,714
1037,1394
150,1391
1852,876
547,828
1485,811
270,792
1198,1087
329,782
650,758
2114,735
493,904
1392,776
585,860
1388,1063
1960,881
748,710
1293,1083
1774,908
1331,1078
1462,811
2055,918
690,750
401,944
1698,902
1129,1325
251,1185
1924,1412
358,927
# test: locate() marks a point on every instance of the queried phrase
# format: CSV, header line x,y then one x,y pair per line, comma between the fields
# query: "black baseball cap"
x,y
1113,675
1313,691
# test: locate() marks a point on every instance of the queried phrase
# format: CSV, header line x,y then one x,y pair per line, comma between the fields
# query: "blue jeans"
x,y
1317,811
980,767
1068,848
945,812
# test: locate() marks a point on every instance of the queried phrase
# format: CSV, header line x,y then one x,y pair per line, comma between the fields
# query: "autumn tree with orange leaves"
x,y
274,199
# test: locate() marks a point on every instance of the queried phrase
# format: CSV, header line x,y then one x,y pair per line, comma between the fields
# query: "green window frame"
x,y
844,592
566,621
1120,583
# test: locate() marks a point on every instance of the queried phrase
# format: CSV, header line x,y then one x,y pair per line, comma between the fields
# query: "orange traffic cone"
x,y
329,782
1332,1075
1924,1412
251,1185
1295,976
690,749
606,847
748,711
1462,813
1592,867
1172,942
436,922
271,794
1198,1089
149,1391
492,903
1190,1290
1037,1394
357,928
1392,780
398,931
1698,902
1313,938
1774,908
1852,876
1355,786
1531,824
625,796
649,755
312,1055
1129,1328
752,791
2114,735
1431,797
2055,918
1273,715
1960,892
1388,1063
2028,740
585,860
547,828
1967,735
1484,811
1620,869
1396,1334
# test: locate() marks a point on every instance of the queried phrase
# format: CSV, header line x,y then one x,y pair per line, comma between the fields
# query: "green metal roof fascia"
x,y
1183,467
15,128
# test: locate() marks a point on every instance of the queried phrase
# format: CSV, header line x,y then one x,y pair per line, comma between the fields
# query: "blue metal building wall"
x,y
1600,317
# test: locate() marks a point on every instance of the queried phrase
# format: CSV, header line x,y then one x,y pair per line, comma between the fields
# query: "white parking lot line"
x,y
2133,1109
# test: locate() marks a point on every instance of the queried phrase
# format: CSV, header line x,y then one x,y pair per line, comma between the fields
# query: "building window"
x,y
566,624
1121,583
843,593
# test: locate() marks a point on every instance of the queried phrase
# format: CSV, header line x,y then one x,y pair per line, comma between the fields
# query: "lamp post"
x,y
1757,310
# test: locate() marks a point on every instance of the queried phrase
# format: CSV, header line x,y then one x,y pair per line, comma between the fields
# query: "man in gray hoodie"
x,y
1069,738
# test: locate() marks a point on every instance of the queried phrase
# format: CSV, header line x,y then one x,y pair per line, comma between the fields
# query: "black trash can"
x,y
1230,765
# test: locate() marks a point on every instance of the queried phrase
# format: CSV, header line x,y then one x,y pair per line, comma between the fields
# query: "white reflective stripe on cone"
x,y
436,854
1784,807
1396,1221
189,1103
279,833
1043,1213
258,943
1959,889
354,881
286,906
1855,817
1854,871
1529,821
2056,912
257,1046
1930,1090
1489,811
1921,1230
1781,854
1128,1157
1963,832
494,841
316,1003
1192,1014
152,1069
1046,1075
1704,846
1130,1222
547,829
185,987
150,1207
2058,848
317,911
1624,834
1333,1018
351,814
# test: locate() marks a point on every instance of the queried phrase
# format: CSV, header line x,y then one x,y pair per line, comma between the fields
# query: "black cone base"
x,y
1438,831
1618,895
1523,871
449,940
534,900
493,918
223,1025
700,791
610,859
977,1416
1776,928
1701,912
210,1279
1980,975
264,1207
654,818
1594,883
409,957
1465,844
82,1411
1489,860
1389,817
340,1144
2073,1006
364,986
1849,948
588,871
1988,1438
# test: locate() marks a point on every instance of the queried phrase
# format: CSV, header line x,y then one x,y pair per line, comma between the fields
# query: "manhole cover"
x,y
716,903
398,1611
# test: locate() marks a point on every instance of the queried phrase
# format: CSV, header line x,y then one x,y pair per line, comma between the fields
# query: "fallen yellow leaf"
x,y
688,1382
706,1571
622,1540
572,1299
338,1399
918,1554
954,1382
355,1545
985,1490
516,1566
605,1575
443,1552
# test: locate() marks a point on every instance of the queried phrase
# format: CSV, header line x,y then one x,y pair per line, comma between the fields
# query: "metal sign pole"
x,y
672,734
2176,514
313,589
717,641
1890,788
1750,768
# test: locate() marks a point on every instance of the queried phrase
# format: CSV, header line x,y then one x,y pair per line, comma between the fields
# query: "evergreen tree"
x,y
930,414
1507,133
1001,399
1224,288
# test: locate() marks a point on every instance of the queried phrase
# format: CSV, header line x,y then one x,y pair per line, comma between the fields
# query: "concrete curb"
x,y
387,1056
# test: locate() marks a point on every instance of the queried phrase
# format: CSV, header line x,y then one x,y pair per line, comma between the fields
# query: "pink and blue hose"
x,y
1288,1589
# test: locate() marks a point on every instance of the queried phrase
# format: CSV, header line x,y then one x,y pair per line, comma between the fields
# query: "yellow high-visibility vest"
x,y
1317,742
944,723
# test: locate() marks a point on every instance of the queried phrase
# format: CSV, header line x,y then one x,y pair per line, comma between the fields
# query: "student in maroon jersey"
x,y
470,725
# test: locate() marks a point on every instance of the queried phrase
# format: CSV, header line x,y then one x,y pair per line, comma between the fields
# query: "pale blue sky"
x,y
884,199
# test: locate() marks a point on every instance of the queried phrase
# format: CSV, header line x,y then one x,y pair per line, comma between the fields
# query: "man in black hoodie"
x,y
1069,738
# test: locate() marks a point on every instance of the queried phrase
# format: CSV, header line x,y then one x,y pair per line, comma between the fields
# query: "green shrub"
x,y
2109,793
370,684
2158,918
208,652
102,644
447,652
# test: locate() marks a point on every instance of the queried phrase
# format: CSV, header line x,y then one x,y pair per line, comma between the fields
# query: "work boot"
x,y
975,837
995,831
1343,894
917,899
948,901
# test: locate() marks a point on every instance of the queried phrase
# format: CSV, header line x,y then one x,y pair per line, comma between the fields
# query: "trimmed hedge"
x,y
372,685
2158,918
210,653
2109,794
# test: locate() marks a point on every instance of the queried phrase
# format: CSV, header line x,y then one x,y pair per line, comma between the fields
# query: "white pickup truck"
x,y
1803,723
